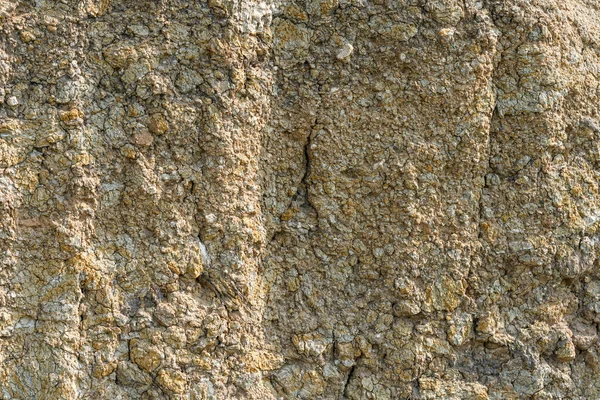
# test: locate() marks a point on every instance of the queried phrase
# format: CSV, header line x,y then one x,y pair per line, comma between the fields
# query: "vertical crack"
x,y
307,167
487,168
488,146
347,382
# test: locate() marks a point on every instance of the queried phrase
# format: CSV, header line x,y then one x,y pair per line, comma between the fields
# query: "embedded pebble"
x,y
345,52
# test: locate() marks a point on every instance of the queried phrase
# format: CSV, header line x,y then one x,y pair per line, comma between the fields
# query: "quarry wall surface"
x,y
316,199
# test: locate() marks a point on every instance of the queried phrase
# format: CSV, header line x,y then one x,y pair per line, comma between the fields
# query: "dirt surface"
x,y
321,199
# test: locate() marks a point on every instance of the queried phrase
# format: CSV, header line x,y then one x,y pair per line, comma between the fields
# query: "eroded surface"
x,y
322,199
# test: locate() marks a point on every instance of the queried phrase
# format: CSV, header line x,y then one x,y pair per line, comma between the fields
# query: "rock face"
x,y
321,199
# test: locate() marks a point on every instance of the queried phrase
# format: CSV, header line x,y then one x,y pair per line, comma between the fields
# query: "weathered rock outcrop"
x,y
319,199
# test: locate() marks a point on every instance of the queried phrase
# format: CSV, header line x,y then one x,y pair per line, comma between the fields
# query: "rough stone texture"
x,y
320,199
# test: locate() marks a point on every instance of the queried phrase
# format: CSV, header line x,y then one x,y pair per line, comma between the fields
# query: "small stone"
x,y
48,20
347,354
565,351
104,369
145,356
406,308
143,138
128,151
171,380
70,115
460,329
27,36
12,101
310,344
195,267
120,55
486,325
345,52
96,8
157,124
446,33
